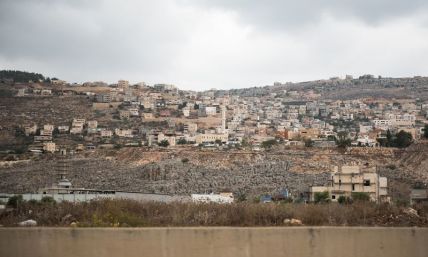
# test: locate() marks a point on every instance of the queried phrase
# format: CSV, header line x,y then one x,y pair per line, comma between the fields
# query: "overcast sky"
x,y
202,44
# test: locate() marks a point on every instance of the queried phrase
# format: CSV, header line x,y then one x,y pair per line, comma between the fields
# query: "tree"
x,y
403,139
182,105
342,139
164,143
321,197
389,139
15,201
331,138
382,142
268,143
426,131
218,142
21,76
55,132
181,141
309,143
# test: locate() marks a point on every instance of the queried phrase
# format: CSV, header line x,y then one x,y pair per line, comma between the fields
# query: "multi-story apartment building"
x,y
123,132
103,98
207,111
123,84
354,179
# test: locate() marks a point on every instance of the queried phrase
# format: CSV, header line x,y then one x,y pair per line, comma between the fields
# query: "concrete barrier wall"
x,y
214,242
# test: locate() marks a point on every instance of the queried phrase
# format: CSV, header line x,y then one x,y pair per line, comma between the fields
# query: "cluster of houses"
x,y
293,117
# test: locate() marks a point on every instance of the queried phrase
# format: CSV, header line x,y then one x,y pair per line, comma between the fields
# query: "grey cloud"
x,y
103,37
211,43
291,14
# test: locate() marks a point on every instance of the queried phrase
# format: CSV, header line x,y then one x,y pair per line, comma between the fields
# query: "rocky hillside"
x,y
187,171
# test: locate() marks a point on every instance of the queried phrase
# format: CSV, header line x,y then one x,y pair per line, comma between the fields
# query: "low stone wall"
x,y
215,242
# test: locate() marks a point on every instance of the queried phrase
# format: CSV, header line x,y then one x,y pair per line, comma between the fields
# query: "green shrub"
x,y
164,143
426,131
391,166
15,201
344,200
181,141
242,197
48,200
33,202
309,143
360,196
269,143
321,197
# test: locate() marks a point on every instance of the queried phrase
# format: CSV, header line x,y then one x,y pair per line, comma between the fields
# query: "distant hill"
x,y
366,86
21,76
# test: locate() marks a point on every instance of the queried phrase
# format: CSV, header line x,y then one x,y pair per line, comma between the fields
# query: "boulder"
x,y
411,212
27,223
296,222
293,222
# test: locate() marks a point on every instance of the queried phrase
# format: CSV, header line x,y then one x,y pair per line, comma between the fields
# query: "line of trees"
x,y
401,139
22,76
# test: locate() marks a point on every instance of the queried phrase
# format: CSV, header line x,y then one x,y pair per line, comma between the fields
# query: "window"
x,y
333,197
366,182
340,182
353,187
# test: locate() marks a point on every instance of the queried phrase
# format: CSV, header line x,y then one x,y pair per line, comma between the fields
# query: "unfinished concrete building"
x,y
346,180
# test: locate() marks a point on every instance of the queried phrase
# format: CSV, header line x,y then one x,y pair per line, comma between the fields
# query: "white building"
x,y
211,138
135,112
123,132
63,129
171,139
106,133
49,147
207,111
213,198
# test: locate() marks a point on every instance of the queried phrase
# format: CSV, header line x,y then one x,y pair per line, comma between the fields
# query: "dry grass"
x,y
107,213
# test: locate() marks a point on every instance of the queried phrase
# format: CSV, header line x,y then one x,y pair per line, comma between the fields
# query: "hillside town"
x,y
161,115
189,128
162,133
